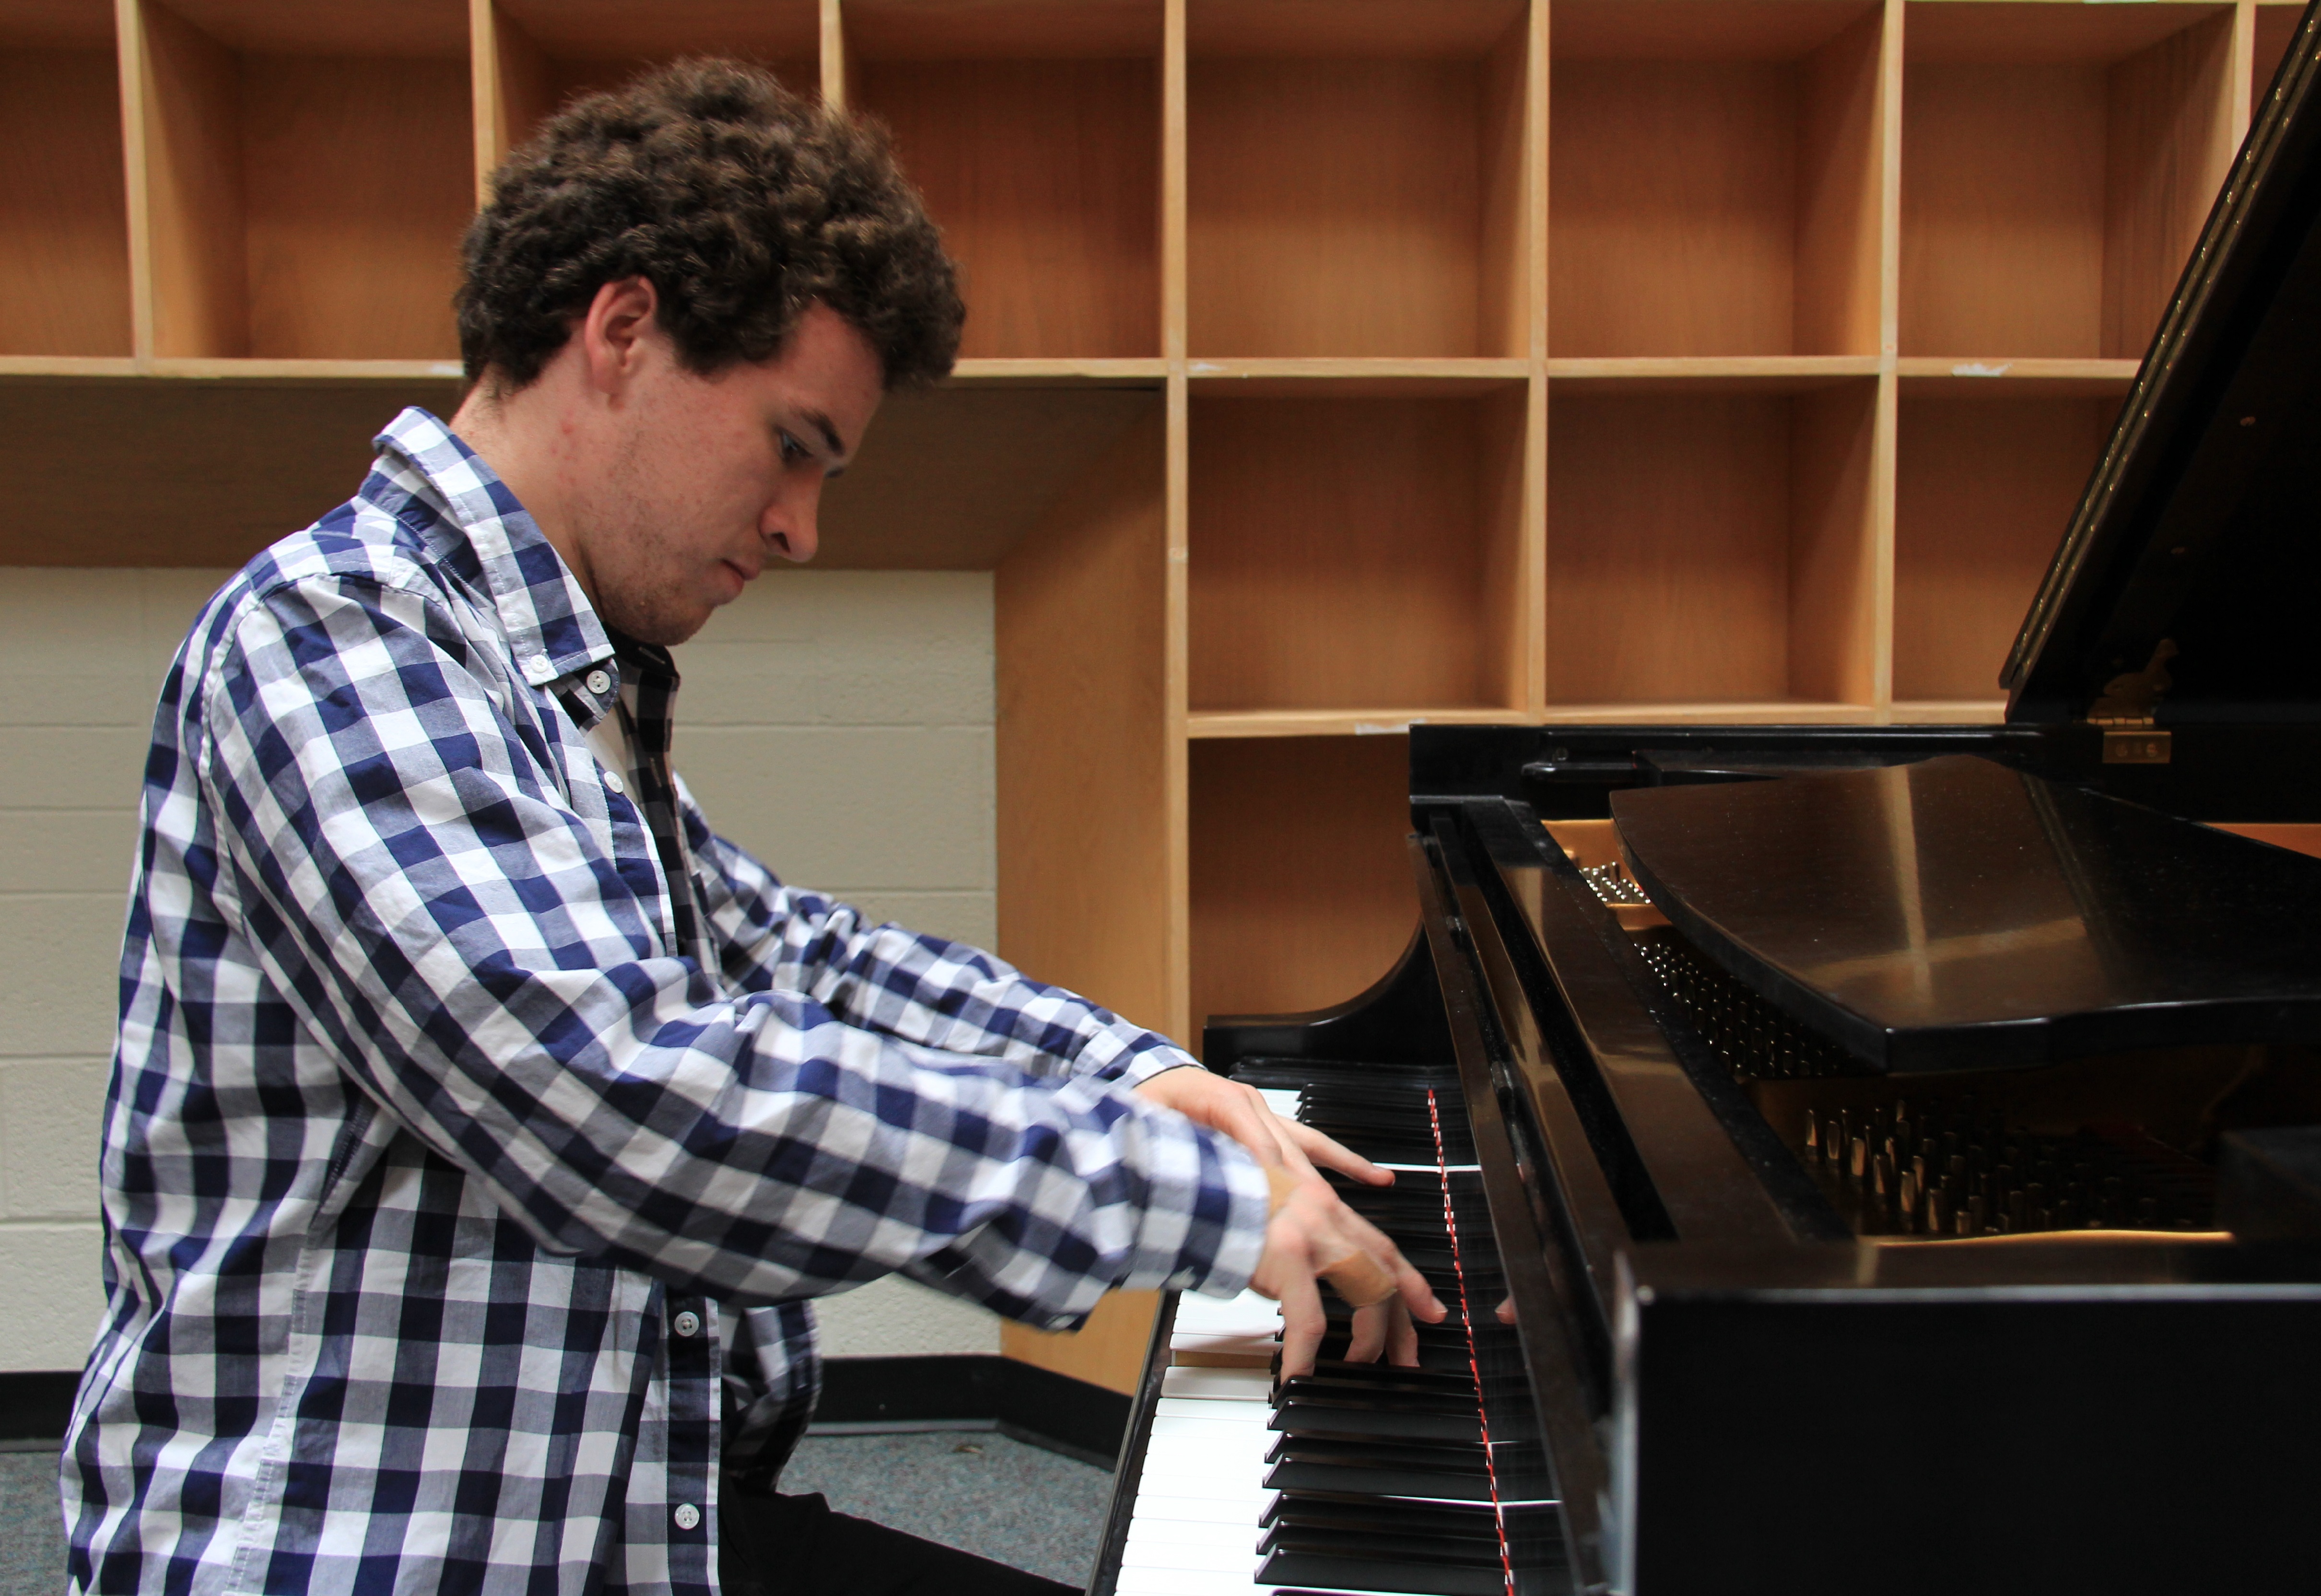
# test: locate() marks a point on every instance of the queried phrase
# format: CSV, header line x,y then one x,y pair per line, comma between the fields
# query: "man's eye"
x,y
793,451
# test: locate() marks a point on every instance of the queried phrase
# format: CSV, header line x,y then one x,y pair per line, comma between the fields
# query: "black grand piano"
x,y
1861,1159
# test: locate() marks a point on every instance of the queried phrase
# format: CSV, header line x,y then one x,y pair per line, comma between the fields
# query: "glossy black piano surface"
x,y
1954,914
1899,1146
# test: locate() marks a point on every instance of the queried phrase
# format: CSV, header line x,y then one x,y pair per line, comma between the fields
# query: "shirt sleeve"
x,y
918,989
410,871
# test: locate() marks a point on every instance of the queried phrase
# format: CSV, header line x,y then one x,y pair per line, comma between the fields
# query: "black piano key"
x,y
1380,1383
1374,1544
1323,1511
1340,1370
1348,1573
1341,1421
1375,1468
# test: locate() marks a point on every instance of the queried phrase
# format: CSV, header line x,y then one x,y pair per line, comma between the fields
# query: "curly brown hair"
x,y
741,202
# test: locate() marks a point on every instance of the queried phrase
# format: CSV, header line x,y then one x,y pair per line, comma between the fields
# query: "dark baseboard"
x,y
1023,1402
36,1407
1036,1405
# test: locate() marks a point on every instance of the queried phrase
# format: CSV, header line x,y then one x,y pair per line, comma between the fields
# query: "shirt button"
x,y
687,1515
614,783
688,1323
538,668
599,683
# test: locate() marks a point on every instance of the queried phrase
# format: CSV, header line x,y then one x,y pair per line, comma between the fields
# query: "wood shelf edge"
x,y
1709,373
1058,371
285,372
1927,712
1784,712
1476,367
2023,378
1337,723
68,365
1354,377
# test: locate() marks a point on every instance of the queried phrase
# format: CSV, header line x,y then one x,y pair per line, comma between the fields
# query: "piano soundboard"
x,y
1392,1481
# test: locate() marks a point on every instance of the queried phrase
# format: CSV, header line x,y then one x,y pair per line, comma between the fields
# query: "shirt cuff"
x,y
1209,1238
1158,1061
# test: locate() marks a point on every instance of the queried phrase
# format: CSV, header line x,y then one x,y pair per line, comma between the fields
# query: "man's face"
x,y
704,480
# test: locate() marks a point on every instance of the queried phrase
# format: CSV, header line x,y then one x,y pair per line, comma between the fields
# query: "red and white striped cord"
x,y
1474,1363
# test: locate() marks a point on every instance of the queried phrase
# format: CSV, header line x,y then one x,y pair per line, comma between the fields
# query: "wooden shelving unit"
x,y
1330,367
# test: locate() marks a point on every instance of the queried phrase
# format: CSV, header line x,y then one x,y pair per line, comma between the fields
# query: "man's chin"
x,y
664,624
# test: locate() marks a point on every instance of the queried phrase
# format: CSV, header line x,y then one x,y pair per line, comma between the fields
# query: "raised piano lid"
x,y
2194,542
1955,914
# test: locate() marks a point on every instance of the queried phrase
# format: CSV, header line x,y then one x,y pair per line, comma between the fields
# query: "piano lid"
x,y
1957,914
2198,532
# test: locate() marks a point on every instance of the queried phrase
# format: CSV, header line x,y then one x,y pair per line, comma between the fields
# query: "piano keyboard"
x,y
1360,1477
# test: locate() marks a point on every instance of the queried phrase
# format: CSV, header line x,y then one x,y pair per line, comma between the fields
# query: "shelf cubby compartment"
x,y
1301,889
306,172
1034,131
64,222
1715,178
1355,554
1357,179
1712,548
2058,162
541,53
1987,475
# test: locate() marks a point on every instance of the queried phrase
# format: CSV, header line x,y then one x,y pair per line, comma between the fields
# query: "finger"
x,y
1401,1338
1332,1153
1246,1119
1361,1280
1286,1138
1412,1285
1505,1313
1370,1327
1302,1324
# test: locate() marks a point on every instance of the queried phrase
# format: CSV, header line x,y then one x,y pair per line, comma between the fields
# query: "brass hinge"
x,y
2124,712
2134,743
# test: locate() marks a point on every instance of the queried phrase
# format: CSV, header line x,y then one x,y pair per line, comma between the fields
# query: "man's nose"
x,y
790,525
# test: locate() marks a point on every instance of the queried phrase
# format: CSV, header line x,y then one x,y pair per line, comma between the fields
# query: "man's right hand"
x,y
1312,1233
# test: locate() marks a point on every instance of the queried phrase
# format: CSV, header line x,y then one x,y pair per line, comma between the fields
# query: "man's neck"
x,y
520,437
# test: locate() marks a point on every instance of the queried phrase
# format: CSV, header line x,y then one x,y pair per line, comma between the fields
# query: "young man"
x,y
481,1121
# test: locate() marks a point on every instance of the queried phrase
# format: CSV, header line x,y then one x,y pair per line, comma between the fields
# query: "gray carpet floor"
x,y
970,1489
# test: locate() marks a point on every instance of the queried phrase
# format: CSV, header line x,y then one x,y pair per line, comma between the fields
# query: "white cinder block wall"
x,y
837,723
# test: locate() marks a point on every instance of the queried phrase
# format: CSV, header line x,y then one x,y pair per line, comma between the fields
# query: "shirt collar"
x,y
551,628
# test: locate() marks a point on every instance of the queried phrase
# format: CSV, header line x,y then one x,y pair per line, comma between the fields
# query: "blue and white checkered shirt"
x,y
459,1218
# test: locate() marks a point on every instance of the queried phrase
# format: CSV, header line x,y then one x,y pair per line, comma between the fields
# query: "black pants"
x,y
795,1546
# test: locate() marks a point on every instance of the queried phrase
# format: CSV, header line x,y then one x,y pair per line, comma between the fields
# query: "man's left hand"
x,y
1238,1112
1241,1112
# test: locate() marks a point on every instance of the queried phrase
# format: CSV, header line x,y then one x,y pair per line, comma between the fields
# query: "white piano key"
x,y
1239,1352
1226,1431
1248,1314
1184,1581
1240,1509
1241,1539
1163,1552
1245,1385
1236,1473
1213,1411
1282,1100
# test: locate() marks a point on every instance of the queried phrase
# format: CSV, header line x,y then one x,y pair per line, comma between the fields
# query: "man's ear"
x,y
613,332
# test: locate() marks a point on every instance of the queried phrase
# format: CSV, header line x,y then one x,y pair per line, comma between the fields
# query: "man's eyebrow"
x,y
821,424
